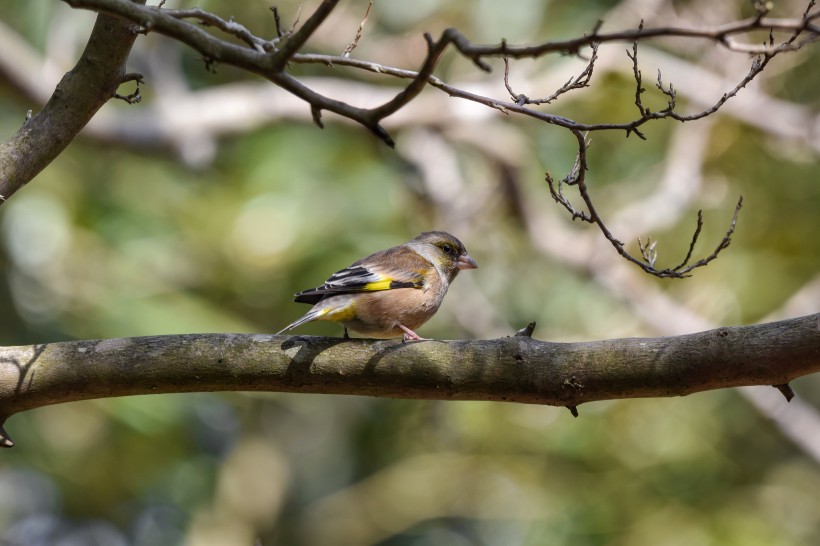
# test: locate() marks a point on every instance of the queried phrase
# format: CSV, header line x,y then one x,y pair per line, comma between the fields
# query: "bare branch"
x,y
295,42
722,35
434,52
78,96
512,369
727,239
283,34
230,26
576,175
153,19
269,65
639,90
696,234
578,82
650,254
271,58
518,99
668,91
557,194
277,20
648,250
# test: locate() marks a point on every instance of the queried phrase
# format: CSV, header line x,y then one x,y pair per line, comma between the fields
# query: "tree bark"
x,y
78,96
511,369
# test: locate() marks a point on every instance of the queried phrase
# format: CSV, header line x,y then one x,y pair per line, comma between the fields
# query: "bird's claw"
x,y
410,335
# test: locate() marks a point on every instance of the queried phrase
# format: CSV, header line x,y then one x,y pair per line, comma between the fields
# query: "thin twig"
x,y
579,82
352,45
230,26
724,243
692,243
520,100
277,20
669,91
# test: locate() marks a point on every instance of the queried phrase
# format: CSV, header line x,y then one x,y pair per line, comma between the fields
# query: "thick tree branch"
x,y
512,369
78,96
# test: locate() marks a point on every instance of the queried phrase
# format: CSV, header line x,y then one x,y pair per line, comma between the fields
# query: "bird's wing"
x,y
397,267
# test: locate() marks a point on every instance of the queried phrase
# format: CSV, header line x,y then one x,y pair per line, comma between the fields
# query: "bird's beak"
x,y
465,262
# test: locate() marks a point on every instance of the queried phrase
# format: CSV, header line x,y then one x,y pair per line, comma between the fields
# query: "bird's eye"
x,y
447,248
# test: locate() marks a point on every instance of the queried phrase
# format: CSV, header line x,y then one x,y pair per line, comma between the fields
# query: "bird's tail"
x,y
311,315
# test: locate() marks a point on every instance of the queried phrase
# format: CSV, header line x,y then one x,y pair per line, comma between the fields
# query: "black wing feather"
x,y
351,280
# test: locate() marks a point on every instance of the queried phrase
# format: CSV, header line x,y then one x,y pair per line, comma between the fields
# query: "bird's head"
x,y
446,252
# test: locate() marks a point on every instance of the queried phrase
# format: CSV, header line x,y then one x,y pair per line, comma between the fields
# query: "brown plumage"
x,y
391,292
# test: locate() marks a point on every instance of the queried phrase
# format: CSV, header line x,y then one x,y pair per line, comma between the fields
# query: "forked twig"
x,y
576,175
579,82
648,249
724,243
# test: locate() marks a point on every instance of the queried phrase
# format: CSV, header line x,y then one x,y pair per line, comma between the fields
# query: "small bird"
x,y
392,292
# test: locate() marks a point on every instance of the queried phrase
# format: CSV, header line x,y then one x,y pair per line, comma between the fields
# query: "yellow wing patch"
x,y
378,285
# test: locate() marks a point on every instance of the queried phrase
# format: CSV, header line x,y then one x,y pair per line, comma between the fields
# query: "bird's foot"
x,y
410,335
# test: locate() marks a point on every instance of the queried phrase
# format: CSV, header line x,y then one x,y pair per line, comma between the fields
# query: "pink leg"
x,y
410,335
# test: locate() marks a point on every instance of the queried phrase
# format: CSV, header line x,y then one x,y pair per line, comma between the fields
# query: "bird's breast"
x,y
411,307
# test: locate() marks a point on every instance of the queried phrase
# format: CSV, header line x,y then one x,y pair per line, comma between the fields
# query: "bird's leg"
x,y
346,336
410,335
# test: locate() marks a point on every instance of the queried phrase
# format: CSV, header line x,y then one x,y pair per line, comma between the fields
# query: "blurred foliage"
x,y
111,242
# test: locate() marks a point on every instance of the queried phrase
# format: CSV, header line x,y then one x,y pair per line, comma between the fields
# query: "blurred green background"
x,y
207,206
